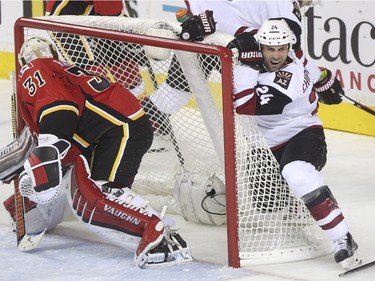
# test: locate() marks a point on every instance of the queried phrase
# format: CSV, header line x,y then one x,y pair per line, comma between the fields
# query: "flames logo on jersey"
x,y
283,78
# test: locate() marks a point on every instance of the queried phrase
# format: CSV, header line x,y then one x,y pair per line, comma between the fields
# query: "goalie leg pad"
x,y
152,237
39,217
112,216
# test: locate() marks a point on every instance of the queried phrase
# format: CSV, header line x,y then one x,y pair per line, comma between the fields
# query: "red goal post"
x,y
264,222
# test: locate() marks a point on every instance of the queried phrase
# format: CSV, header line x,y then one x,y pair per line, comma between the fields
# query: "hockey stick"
x,y
169,125
129,9
357,104
356,269
24,242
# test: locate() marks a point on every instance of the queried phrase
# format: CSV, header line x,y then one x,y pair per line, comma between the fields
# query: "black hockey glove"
x,y
329,88
248,48
198,26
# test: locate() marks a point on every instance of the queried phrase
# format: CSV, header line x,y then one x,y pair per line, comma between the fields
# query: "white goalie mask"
x,y
275,33
36,47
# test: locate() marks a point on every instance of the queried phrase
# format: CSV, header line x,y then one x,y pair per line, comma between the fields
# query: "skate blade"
x,y
351,262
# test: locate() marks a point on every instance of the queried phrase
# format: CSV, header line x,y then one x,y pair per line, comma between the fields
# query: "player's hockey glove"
x,y
41,180
329,88
198,26
248,48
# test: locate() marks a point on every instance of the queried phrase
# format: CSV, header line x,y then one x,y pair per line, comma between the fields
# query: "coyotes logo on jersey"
x,y
283,78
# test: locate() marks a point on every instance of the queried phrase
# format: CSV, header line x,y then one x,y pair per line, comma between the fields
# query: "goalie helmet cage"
x,y
201,134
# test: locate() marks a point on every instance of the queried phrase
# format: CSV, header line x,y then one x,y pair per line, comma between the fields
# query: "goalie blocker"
x,y
14,155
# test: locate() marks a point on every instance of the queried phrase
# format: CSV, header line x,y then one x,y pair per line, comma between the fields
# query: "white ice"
x,y
71,252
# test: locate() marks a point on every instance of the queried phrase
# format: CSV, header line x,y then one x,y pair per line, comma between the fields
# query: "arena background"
x,y
340,35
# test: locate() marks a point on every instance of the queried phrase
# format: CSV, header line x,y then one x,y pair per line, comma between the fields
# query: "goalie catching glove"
x,y
42,176
329,88
248,48
198,26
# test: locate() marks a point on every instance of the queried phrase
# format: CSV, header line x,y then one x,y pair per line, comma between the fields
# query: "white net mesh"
x,y
272,224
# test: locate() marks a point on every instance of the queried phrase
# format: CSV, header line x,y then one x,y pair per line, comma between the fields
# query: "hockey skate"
x,y
345,252
171,250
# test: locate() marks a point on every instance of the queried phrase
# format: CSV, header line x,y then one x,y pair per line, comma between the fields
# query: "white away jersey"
x,y
283,102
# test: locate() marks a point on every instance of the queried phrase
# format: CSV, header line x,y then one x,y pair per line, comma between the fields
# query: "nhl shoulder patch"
x,y
282,78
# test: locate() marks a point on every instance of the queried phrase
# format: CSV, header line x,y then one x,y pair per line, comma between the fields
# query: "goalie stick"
x,y
357,104
356,269
24,242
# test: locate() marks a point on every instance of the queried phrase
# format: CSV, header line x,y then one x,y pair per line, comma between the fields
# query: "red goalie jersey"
x,y
83,104
102,8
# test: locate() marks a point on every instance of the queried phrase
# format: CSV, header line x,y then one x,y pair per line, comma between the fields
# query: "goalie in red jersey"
x,y
72,111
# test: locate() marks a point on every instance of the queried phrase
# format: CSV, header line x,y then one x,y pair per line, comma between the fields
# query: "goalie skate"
x,y
171,250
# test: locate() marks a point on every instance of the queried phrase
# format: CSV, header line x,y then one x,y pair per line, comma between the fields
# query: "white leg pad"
x,y
46,216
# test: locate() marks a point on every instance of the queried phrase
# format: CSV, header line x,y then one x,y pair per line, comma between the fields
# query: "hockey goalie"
x,y
86,140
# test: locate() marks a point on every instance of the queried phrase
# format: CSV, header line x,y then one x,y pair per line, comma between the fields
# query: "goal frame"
x,y
227,100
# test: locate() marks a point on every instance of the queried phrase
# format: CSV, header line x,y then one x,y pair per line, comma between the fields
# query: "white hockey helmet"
x,y
275,32
36,47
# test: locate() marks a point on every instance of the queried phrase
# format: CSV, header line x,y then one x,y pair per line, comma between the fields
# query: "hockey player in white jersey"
x,y
238,18
283,99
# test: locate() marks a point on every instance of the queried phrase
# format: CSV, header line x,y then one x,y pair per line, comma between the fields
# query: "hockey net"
x,y
197,137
